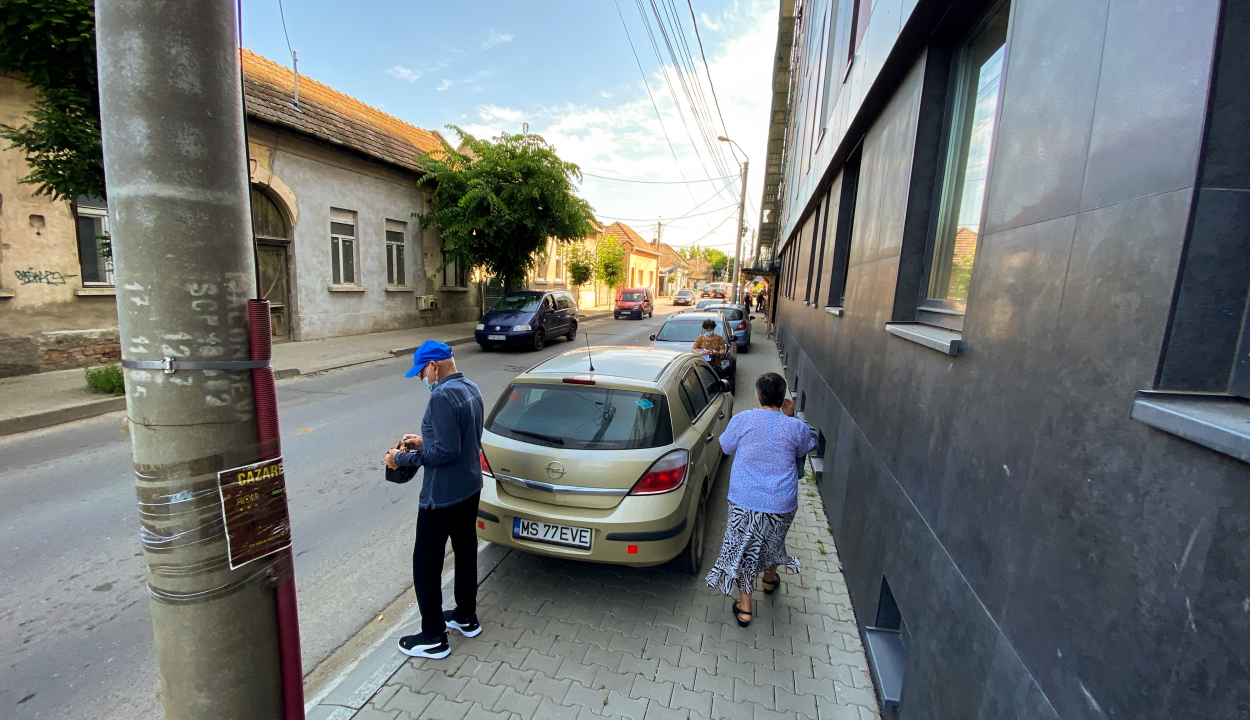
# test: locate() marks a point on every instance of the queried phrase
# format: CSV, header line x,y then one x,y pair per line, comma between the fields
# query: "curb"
x,y
59,416
395,352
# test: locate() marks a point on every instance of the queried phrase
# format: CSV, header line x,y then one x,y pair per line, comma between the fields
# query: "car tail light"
x,y
741,326
664,475
485,465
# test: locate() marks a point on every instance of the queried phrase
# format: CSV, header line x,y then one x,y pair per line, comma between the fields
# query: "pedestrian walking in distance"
x,y
767,445
449,448
746,302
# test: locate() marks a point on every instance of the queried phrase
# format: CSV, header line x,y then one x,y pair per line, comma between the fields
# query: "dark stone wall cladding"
x,y
1052,557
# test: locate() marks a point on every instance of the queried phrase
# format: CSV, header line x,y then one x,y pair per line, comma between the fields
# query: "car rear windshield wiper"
x,y
540,436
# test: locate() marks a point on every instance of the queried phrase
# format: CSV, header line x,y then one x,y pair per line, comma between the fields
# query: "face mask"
x,y
709,333
429,385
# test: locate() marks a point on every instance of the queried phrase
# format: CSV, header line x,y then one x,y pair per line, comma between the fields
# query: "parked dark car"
x,y
634,302
679,332
527,318
685,296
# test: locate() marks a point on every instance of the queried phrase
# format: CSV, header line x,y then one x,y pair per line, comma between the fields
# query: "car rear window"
x,y
730,314
580,417
681,330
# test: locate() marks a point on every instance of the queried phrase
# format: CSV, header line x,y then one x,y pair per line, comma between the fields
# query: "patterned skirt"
x,y
754,541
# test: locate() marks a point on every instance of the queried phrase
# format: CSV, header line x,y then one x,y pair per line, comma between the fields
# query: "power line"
x,y
707,70
660,219
282,14
647,85
660,182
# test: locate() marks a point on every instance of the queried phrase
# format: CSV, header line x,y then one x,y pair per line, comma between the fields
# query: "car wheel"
x,y
615,316
485,347
691,558
572,332
744,348
540,339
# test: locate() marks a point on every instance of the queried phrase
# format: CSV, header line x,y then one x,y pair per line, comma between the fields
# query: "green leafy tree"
x,y
581,265
610,263
51,44
496,202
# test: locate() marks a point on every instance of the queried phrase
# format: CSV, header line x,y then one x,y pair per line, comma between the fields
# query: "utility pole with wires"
x,y
211,516
742,229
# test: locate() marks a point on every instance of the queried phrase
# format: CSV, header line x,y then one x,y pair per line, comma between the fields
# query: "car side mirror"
x,y
734,338
752,317
729,387
652,338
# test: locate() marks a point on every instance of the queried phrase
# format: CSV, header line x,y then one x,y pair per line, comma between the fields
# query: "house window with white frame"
x,y
95,250
343,246
396,232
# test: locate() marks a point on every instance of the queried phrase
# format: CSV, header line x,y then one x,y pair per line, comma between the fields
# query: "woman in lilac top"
x,y
767,445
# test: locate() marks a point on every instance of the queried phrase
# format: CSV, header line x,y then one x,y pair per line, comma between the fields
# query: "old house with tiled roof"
x,y
338,249
674,270
641,258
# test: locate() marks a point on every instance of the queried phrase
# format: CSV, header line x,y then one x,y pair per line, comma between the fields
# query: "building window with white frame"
x,y
977,81
95,249
343,246
396,232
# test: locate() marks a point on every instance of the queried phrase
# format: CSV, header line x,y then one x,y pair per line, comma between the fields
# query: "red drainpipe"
x,y
271,447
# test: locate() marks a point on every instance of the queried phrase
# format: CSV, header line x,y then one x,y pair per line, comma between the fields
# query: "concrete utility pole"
x,y
176,163
742,230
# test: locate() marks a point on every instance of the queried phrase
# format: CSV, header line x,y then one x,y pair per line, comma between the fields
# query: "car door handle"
x,y
709,438
721,416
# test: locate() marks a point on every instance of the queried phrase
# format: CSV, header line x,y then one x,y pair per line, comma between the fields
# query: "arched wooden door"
x,y
272,234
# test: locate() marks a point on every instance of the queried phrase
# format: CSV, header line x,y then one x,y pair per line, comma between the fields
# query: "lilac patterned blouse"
x,y
765,445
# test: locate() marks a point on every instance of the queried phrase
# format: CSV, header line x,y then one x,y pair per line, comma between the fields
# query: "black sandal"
x,y
738,616
764,583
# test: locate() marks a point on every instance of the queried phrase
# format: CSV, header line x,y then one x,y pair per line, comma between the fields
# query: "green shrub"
x,y
106,379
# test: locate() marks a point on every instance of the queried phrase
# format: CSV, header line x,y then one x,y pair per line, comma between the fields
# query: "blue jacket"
x,y
451,433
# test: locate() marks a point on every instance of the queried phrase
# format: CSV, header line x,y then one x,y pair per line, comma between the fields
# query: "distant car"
x,y
634,302
705,292
527,318
710,302
684,296
607,455
679,332
739,322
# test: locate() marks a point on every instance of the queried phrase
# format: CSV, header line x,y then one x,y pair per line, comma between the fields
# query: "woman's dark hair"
x,y
709,324
771,388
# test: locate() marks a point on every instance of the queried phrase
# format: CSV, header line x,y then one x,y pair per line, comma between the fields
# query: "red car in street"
x,y
634,302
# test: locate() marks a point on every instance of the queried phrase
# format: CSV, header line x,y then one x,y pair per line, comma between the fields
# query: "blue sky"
x,y
567,69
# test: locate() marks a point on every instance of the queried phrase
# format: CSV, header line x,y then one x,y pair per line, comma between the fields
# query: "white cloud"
x,y
622,138
446,84
404,73
494,37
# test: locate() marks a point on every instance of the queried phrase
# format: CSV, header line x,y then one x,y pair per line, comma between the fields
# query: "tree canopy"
x,y
51,44
496,202
610,263
717,261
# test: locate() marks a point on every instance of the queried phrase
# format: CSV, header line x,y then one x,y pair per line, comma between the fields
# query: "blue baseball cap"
x,y
429,351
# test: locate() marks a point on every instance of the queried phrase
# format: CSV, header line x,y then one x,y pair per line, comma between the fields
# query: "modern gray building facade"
x,y
1015,245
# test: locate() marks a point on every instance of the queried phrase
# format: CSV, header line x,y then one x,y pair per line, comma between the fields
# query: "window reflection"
x,y
975,112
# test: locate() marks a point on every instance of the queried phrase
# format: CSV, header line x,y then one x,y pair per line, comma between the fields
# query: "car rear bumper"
x,y
510,337
656,528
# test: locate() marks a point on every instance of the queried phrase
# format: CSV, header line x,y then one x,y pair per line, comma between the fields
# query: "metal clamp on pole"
x,y
170,365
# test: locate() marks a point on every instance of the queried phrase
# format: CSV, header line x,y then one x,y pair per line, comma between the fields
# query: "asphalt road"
x,y
74,612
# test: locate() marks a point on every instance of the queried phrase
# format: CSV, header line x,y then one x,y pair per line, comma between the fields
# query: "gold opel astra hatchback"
x,y
605,454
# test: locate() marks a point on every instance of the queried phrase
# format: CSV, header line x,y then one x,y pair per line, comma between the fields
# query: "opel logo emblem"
x,y
555,470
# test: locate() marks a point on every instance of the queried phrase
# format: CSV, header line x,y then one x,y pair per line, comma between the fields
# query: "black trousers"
x,y
434,526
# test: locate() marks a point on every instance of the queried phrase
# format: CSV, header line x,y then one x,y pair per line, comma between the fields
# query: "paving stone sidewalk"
x,y
575,640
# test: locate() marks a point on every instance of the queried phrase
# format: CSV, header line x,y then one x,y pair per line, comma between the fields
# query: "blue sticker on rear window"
x,y
644,404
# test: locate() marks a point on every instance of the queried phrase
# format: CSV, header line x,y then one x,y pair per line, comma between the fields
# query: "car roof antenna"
x,y
589,356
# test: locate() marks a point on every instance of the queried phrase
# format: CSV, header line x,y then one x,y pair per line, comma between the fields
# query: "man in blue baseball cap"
x,y
449,448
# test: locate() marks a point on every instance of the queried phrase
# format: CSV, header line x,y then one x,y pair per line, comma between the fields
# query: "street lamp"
x,y
742,206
